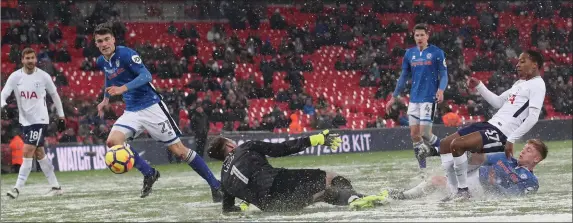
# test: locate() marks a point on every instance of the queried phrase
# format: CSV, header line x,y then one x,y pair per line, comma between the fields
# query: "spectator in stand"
x,y
338,119
308,107
200,127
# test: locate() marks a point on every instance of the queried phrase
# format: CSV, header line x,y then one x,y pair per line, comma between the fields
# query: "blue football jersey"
x,y
125,67
428,71
506,177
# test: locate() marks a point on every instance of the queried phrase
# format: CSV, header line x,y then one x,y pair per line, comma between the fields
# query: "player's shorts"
x,y
493,140
421,113
294,189
154,119
34,134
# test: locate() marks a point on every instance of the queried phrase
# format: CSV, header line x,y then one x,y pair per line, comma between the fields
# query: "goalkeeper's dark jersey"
x,y
246,173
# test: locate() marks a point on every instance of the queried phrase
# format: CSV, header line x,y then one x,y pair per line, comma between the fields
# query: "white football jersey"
x,y
30,92
522,95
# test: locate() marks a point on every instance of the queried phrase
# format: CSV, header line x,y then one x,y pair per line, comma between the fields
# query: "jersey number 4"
x,y
492,135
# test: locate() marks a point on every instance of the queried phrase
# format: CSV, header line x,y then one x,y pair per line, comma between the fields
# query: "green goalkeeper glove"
x,y
325,138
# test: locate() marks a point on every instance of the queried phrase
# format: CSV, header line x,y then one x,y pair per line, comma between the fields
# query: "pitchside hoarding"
x,y
74,157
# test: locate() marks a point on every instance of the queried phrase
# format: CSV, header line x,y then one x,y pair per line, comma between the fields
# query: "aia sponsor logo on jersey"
x,y
28,94
511,98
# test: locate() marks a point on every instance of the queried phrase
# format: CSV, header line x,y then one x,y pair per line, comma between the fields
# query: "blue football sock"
x,y
198,164
421,162
141,164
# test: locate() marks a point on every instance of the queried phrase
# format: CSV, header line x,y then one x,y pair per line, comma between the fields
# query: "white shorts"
x,y
155,120
421,113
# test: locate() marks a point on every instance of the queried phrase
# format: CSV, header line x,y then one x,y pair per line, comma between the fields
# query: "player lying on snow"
x,y
246,174
492,173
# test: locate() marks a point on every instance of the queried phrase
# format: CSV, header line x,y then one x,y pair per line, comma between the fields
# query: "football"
x,y
119,159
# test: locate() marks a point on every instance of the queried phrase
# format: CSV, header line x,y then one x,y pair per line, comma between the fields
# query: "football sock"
x,y
24,172
448,165
420,190
461,170
141,164
199,165
421,162
48,170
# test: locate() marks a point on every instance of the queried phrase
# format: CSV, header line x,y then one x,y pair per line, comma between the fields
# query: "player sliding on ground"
x,y
30,85
491,173
519,109
246,174
126,75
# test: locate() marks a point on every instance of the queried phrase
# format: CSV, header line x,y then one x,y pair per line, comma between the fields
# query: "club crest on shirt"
x,y
37,84
117,63
429,56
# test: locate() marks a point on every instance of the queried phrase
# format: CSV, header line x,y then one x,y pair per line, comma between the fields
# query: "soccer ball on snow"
x,y
119,159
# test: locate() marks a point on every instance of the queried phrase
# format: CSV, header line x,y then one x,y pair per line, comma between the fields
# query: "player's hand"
x,y
114,90
509,150
100,107
326,138
389,104
61,124
439,96
473,82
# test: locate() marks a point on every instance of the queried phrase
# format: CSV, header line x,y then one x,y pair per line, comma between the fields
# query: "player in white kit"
x,y
518,111
30,85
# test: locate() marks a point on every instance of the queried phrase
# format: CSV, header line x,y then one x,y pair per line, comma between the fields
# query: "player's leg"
x,y
48,169
32,135
471,142
432,141
159,124
415,133
197,163
128,126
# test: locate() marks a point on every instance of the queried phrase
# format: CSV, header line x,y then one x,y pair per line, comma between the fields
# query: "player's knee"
x,y
40,154
181,150
29,151
456,146
445,146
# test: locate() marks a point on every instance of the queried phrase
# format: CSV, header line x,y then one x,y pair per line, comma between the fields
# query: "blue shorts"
x,y
493,140
34,134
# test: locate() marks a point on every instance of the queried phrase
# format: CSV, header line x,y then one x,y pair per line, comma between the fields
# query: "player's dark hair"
x,y
217,148
27,51
102,29
421,26
540,146
536,57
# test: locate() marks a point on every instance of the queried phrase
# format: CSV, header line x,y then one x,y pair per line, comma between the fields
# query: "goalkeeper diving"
x,y
246,174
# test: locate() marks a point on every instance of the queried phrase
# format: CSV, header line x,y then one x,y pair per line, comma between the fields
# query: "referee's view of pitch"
x,y
182,195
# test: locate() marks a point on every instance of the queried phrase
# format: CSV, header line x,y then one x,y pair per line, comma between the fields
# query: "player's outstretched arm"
x,y
496,101
6,91
280,149
404,75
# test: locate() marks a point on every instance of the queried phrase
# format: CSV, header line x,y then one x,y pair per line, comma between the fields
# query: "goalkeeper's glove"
x,y
325,138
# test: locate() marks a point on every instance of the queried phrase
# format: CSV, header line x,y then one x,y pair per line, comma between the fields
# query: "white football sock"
x,y
419,191
24,172
461,170
448,165
48,170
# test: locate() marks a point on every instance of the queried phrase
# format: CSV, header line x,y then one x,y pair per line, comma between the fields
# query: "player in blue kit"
x,y
426,65
126,75
494,173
